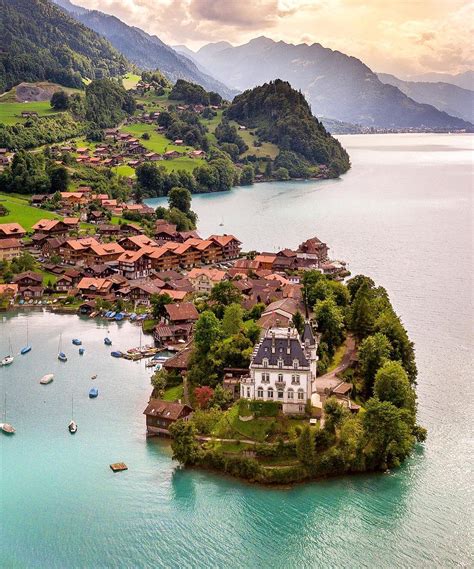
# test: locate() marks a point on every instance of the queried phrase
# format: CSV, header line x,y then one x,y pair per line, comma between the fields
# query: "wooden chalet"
x,y
160,415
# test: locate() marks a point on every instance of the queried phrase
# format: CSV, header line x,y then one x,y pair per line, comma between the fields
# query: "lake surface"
x,y
402,215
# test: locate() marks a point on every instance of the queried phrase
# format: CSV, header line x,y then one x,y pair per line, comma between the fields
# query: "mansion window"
x,y
280,377
295,379
280,394
270,393
265,362
280,363
260,393
248,392
290,394
300,394
265,378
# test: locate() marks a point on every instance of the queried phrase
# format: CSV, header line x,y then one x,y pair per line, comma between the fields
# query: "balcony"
x,y
280,384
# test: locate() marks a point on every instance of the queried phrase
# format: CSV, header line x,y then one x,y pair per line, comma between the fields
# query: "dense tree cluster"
x,y
184,125
179,212
39,42
227,133
193,94
107,103
281,115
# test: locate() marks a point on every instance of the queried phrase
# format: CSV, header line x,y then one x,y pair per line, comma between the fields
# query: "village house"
x,y
11,230
139,292
160,415
9,289
203,279
9,249
279,313
211,251
283,369
51,227
64,283
137,242
165,334
184,313
135,264
92,287
231,246
163,259
313,250
30,284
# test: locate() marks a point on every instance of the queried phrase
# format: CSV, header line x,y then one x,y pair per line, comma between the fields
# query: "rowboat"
x,y
93,392
48,378
7,428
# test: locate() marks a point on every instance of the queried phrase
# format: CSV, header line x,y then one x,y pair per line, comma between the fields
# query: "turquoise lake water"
x,y
403,215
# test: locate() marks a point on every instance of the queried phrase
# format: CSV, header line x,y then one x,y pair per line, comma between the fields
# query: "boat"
x,y
116,354
72,426
26,348
93,392
107,341
81,351
61,355
76,342
48,378
120,316
111,315
8,360
6,427
94,376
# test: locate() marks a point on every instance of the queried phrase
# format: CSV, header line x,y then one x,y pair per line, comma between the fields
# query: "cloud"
x,y
396,37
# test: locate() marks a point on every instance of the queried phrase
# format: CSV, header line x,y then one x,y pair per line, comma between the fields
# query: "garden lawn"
x,y
23,213
124,170
173,393
130,80
230,426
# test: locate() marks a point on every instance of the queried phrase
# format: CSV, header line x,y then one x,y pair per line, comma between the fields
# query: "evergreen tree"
x,y
232,321
392,384
373,351
305,449
362,316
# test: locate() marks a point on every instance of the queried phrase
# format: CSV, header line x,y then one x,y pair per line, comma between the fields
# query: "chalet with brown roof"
x,y
170,154
313,249
139,292
64,283
71,222
265,261
11,230
203,279
189,255
163,259
9,249
136,242
38,199
179,362
108,230
50,245
51,227
231,246
130,229
8,289
279,313
184,313
172,333
97,270
243,266
165,231
160,415
135,264
211,251
92,287
29,284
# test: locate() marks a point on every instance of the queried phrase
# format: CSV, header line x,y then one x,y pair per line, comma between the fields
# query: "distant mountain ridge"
x,y
446,97
145,51
464,80
39,42
336,85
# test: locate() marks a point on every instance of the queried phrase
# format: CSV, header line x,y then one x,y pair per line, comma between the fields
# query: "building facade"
x,y
283,369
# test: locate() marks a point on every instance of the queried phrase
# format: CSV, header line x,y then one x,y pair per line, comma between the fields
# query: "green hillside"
x,y
39,42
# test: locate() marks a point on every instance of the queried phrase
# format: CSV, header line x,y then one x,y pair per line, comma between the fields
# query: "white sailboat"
x,y
48,378
72,426
7,360
6,427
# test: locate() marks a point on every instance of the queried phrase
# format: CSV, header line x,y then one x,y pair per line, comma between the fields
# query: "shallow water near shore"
x,y
402,215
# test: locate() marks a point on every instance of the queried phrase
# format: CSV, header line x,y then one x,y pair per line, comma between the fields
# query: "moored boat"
x,y
94,376
7,428
27,347
72,427
107,341
48,378
76,342
62,357
93,392
116,354
7,360
81,351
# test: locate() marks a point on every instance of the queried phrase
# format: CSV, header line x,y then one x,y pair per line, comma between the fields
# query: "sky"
x,y
403,37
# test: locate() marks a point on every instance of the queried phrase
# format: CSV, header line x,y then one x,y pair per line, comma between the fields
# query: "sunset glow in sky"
x,y
400,37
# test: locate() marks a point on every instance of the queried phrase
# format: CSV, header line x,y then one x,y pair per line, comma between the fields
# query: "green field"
x,y
158,142
267,148
21,212
10,113
124,170
130,80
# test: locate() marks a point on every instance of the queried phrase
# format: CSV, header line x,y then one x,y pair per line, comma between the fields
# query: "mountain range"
x,y
464,80
447,97
336,85
144,50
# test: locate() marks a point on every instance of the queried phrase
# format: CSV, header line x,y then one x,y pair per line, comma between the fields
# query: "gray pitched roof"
x,y
281,351
308,334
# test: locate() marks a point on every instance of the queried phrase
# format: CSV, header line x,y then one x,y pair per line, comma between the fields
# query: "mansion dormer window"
x,y
265,362
295,364
280,363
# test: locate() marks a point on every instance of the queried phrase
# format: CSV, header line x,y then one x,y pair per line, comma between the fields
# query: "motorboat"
x,y
76,342
116,354
48,378
93,392
81,351
72,427
25,350
107,341
94,376
62,357
7,360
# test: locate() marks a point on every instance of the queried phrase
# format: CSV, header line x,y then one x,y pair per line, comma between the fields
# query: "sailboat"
x,y
6,427
7,360
61,355
72,426
221,223
26,348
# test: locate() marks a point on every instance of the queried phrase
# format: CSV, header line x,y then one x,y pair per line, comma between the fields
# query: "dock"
x,y
118,466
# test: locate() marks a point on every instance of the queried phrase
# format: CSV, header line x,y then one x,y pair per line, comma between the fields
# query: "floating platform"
x,y
118,466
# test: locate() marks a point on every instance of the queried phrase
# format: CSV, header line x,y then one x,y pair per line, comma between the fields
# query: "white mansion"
x,y
283,369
